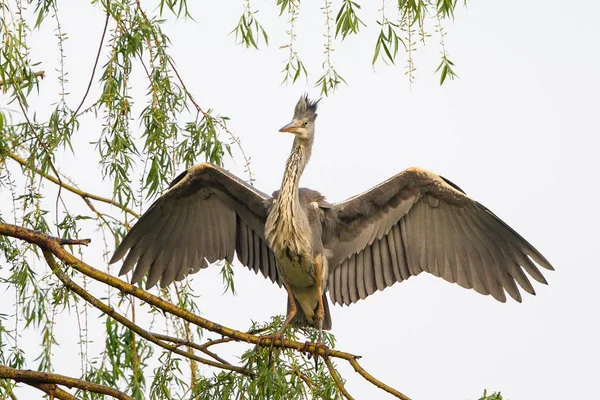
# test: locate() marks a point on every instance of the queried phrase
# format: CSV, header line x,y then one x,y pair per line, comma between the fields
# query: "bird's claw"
x,y
304,348
272,338
319,345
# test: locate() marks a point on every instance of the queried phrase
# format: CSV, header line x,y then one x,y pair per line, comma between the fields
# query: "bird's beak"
x,y
292,127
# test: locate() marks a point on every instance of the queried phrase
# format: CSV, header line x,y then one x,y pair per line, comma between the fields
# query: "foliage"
x,y
493,396
174,132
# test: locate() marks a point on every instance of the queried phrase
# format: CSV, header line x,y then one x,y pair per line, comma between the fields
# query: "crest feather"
x,y
306,107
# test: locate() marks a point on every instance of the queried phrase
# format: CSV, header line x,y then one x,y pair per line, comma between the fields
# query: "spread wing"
x,y
206,215
418,221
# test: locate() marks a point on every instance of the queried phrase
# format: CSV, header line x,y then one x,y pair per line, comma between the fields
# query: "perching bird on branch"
x,y
415,221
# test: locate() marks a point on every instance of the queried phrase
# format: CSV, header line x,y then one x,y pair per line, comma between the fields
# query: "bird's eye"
x,y
305,123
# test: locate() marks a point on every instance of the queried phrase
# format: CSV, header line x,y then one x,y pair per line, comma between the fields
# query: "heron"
x,y
416,221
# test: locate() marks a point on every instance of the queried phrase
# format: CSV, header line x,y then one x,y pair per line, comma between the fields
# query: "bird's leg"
x,y
320,308
290,315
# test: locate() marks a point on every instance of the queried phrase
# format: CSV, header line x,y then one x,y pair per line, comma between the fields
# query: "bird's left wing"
x,y
418,221
205,215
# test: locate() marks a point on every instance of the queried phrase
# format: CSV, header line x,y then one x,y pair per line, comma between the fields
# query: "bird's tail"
x,y
300,318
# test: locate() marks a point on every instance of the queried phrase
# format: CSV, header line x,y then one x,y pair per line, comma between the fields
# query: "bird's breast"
x,y
287,229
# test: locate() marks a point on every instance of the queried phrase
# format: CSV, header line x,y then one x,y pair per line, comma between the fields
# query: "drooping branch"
x,y
51,245
36,379
71,188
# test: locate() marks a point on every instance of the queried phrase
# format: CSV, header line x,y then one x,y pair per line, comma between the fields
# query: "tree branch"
x,y
336,377
35,378
188,343
375,381
51,245
53,391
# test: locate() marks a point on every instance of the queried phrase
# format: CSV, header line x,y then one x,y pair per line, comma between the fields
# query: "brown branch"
x,y
70,188
375,381
212,342
188,343
49,245
53,391
70,242
305,379
34,378
126,322
337,378
21,79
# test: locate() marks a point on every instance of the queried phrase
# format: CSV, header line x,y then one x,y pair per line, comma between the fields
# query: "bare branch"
x,y
336,377
87,91
35,378
53,391
188,343
375,381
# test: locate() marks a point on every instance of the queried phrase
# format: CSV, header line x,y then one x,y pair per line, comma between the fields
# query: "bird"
x,y
416,221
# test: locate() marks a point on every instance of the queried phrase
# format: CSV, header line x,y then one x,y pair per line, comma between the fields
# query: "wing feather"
x,y
377,265
369,272
360,275
386,263
345,289
207,214
391,243
352,280
418,221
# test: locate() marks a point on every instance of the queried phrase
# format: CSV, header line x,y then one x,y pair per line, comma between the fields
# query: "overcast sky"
x,y
518,131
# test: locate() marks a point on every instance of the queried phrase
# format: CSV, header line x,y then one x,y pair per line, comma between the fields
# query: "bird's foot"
x,y
272,339
304,348
320,345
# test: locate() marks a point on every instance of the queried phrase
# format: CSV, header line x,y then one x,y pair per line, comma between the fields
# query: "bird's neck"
x,y
285,222
294,167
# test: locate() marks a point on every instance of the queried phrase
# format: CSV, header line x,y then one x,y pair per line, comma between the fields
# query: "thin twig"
x,y
87,91
71,242
336,377
188,343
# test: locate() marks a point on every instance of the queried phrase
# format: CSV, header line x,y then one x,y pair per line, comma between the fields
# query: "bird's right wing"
x,y
205,215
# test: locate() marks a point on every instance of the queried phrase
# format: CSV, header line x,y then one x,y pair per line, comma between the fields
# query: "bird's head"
x,y
303,122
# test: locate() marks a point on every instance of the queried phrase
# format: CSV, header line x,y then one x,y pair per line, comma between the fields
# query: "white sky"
x,y
518,132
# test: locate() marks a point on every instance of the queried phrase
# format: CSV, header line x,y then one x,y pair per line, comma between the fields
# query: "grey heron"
x,y
415,221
